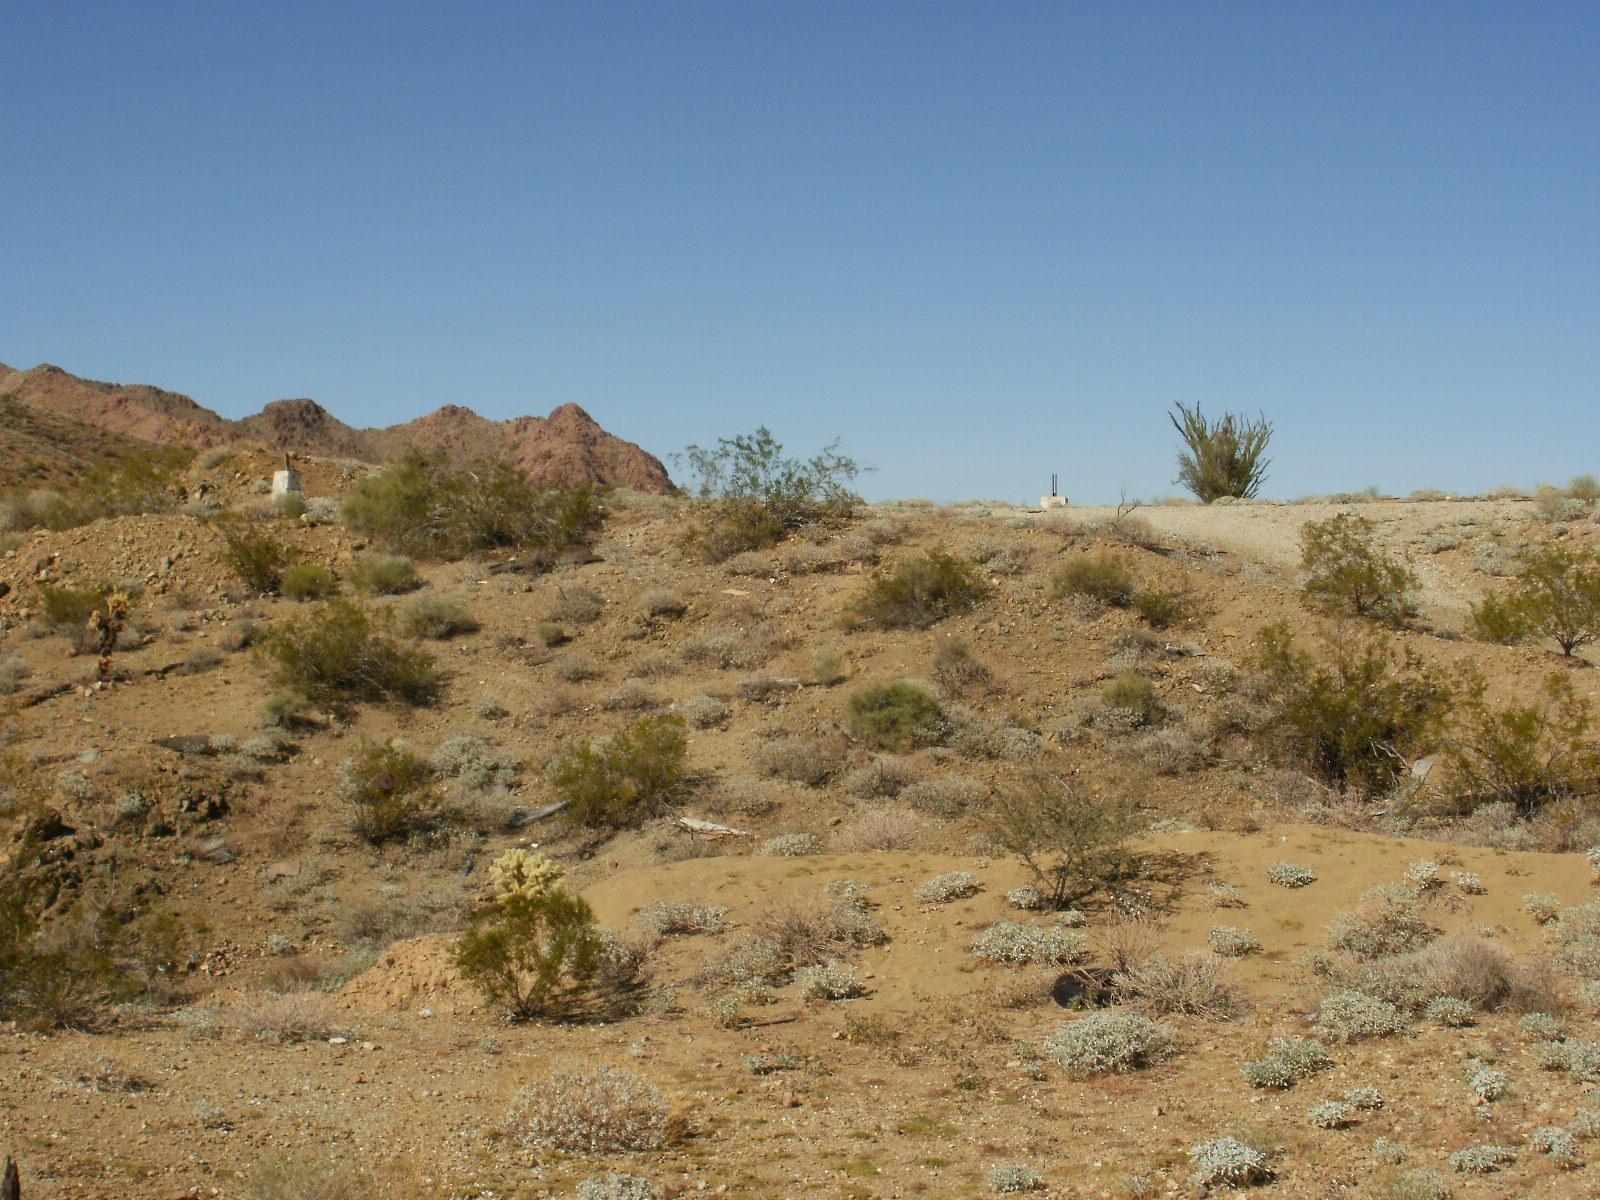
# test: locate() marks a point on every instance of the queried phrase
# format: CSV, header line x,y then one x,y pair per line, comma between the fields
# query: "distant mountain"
x,y
568,444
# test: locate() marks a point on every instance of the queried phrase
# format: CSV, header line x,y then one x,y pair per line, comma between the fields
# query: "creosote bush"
x,y
1221,458
619,781
895,716
435,617
1101,576
533,954
1556,596
254,555
920,592
340,651
1357,717
390,791
1073,843
422,505
1348,573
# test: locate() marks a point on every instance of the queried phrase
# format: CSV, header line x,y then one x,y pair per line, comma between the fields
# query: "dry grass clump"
x,y
297,1177
575,667
824,931
577,606
581,1109
1101,577
437,618
799,760
383,574
950,796
885,829
704,712
1193,985
286,1017
882,778
959,672
663,602
1464,967
920,592
740,648
1388,921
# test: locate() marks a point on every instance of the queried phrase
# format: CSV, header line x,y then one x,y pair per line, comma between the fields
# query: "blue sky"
x,y
979,243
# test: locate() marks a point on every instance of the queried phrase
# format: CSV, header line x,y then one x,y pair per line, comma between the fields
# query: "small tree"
x,y
1222,458
1557,596
1358,717
1348,573
619,781
760,496
1073,843
533,955
1527,755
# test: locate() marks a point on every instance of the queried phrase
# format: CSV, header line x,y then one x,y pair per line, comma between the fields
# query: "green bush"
x,y
758,497
384,574
435,617
533,955
308,581
391,792
1073,843
68,609
421,505
1347,572
895,716
340,651
1221,458
1134,694
920,592
1358,717
1557,596
1584,488
254,555
1162,610
1100,576
149,482
1526,755
290,505
622,780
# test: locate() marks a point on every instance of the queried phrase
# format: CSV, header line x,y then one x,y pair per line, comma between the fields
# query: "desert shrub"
x,y
1192,985
619,781
383,574
1110,1042
1349,1016
882,777
13,670
1347,572
1101,577
68,609
435,617
828,667
735,649
1389,920
886,829
1540,1026
1016,944
791,845
286,1017
147,482
894,716
254,555
757,496
576,606
1162,610
1287,1062
663,602
302,1178
1450,1011
575,667
1073,843
1228,1162
951,885
947,797
750,961
63,976
668,918
1357,718
1463,967
474,764
341,651
612,1186
799,760
1221,458
920,592
1419,1183
308,581
704,712
421,505
590,1110
1556,596
1136,696
1525,755
1483,1160
533,954
1331,1114
390,791
1543,907
1557,1144
1232,942
958,671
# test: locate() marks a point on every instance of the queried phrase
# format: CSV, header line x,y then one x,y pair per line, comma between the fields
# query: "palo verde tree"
x,y
1221,458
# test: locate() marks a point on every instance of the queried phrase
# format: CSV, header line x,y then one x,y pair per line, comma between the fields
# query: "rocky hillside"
x,y
567,444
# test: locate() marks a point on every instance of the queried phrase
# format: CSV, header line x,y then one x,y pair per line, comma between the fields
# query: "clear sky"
x,y
978,242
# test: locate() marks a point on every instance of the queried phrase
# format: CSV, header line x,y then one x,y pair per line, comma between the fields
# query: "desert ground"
x,y
314,1038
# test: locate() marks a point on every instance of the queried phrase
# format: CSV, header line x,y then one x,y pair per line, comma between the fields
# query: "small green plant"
x,y
895,716
1524,755
67,609
1556,596
339,651
390,791
920,592
1101,576
1357,717
1072,842
533,955
1347,572
435,617
384,574
1162,610
1221,458
1136,696
254,555
308,581
622,780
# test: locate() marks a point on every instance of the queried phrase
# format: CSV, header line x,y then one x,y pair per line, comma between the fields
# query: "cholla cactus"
x,y
1483,1160
1331,1114
524,873
1488,1083
1423,875
1227,1160
1008,1180
1450,1011
952,885
107,623
1232,942
1289,875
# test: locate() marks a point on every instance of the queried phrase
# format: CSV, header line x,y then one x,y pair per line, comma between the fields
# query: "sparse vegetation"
x,y
308,581
920,592
1524,755
1100,576
590,1110
1110,1043
1348,573
1556,596
435,617
253,554
1073,843
390,791
384,574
